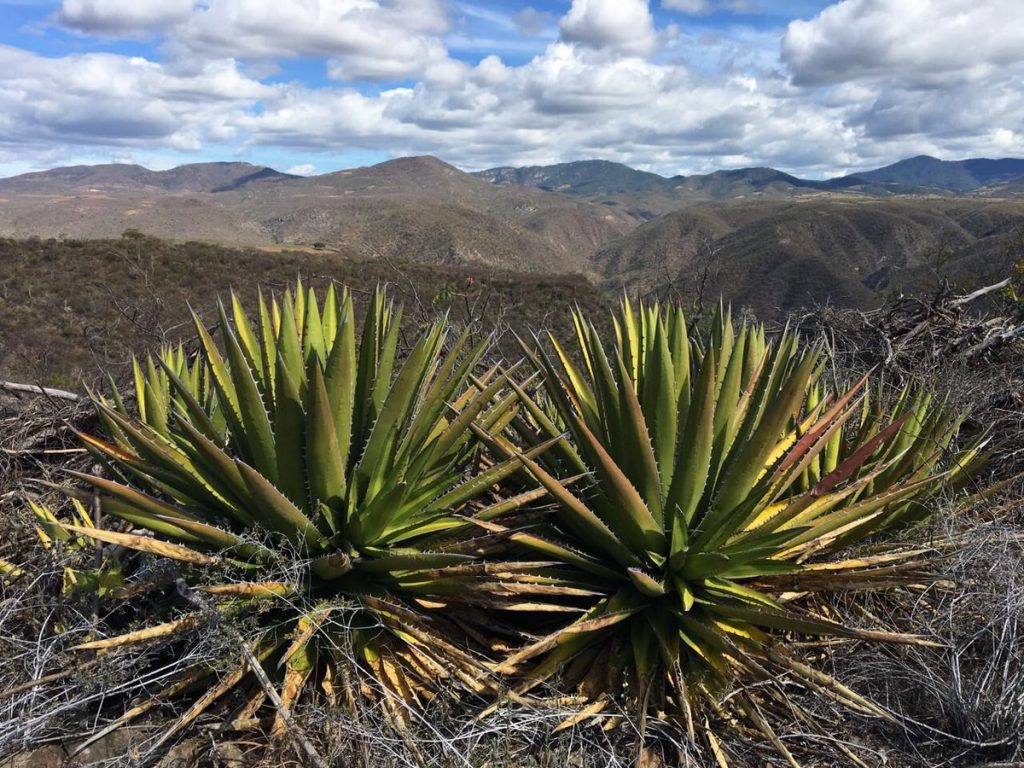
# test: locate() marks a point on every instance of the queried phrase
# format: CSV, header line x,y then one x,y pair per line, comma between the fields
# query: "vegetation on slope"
x,y
778,257
76,309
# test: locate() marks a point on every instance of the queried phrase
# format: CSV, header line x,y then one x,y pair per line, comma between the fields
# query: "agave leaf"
x,y
249,343
340,379
324,467
145,544
697,440
395,409
750,459
178,626
255,423
250,590
276,511
638,445
607,614
660,401
290,424
626,513
221,380
588,525
313,345
194,411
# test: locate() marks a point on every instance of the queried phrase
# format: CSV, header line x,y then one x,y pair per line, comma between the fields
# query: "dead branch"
x,y
35,389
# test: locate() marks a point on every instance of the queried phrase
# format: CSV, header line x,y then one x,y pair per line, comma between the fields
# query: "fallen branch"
x,y
35,389
961,300
999,338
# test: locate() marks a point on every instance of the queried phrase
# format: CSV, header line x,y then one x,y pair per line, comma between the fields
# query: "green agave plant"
x,y
724,479
301,475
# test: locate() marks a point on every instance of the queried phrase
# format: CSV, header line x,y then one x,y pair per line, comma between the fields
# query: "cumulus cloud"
x,y
105,99
568,103
940,76
306,169
603,89
929,42
123,17
621,26
365,39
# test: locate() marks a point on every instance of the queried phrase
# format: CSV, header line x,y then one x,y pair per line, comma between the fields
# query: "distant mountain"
x,y
415,208
648,194
588,178
723,184
924,172
601,177
195,177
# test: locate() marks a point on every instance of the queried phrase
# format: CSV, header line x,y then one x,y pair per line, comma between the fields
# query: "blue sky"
x,y
675,86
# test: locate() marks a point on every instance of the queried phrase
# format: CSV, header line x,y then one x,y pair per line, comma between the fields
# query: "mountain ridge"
x,y
919,174
778,240
583,178
191,177
957,175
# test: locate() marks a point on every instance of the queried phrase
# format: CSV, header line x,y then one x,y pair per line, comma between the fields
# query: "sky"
x,y
812,87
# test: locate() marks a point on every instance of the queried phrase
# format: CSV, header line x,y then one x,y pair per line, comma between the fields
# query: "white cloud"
x,y
362,39
569,103
105,99
306,169
621,26
405,56
704,101
369,39
687,6
123,17
928,42
936,76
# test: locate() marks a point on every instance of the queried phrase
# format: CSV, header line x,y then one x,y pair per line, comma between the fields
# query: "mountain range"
x,y
765,238
650,194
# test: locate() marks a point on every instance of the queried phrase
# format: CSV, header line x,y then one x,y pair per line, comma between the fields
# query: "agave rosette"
x,y
724,478
320,482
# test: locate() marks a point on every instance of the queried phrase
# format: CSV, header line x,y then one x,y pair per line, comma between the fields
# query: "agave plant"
x,y
317,484
724,479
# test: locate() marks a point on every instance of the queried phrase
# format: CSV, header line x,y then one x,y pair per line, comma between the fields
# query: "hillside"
x,y
411,208
772,255
75,308
73,304
924,172
649,195
586,178
116,177
774,241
